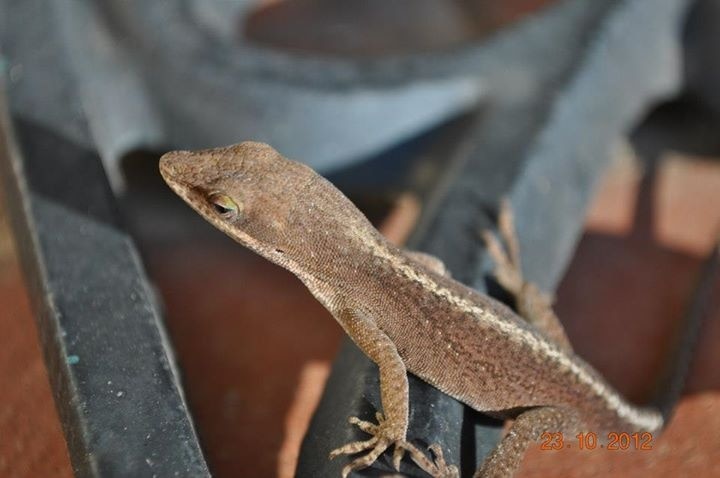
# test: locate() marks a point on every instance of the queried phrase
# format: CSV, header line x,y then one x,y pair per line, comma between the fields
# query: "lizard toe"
x,y
437,468
354,447
384,434
367,427
366,460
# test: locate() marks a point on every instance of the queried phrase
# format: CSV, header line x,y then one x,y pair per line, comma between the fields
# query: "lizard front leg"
x,y
391,429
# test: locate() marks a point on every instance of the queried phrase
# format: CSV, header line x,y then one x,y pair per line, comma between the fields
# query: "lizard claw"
x,y
383,437
398,454
443,469
437,468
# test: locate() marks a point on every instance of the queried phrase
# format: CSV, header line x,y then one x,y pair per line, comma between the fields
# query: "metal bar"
x,y
110,365
680,358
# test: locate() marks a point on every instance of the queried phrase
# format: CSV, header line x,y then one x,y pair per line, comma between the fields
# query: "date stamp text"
x,y
590,441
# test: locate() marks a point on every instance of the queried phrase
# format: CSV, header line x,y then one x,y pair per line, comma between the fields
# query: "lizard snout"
x,y
175,165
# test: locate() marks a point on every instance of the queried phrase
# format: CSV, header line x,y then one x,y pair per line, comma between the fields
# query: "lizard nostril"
x,y
167,168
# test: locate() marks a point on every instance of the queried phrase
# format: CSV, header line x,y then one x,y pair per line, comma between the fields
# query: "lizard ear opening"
x,y
224,206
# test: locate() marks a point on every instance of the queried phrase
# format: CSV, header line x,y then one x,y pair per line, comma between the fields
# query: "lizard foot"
x,y
383,436
506,254
437,468
531,303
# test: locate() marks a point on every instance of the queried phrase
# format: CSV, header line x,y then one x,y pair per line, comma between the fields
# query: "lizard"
x,y
405,312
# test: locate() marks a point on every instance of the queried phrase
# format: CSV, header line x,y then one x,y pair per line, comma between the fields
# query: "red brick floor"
x,y
31,442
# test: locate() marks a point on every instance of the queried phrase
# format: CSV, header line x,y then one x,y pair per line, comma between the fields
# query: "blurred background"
x,y
135,340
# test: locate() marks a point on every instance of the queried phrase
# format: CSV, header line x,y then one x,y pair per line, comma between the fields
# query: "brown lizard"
x,y
404,311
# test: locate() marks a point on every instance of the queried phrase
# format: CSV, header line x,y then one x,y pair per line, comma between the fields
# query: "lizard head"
x,y
247,190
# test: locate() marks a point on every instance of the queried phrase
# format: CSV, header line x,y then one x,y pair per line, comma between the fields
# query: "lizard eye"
x,y
224,205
